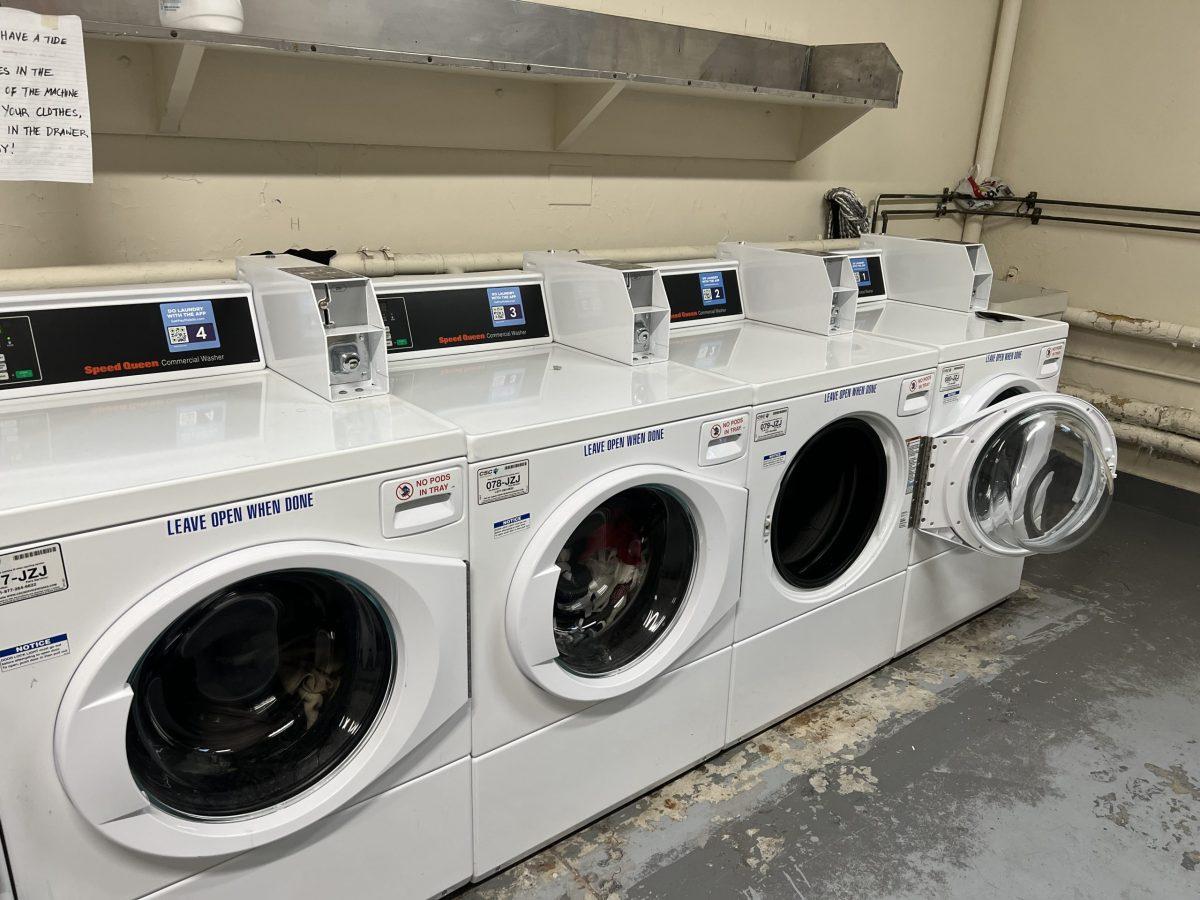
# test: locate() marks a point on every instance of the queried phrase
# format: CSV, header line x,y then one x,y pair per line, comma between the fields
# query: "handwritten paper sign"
x,y
45,119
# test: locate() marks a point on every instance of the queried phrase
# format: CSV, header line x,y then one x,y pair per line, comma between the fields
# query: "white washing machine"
x,y
607,505
234,654
1001,373
838,423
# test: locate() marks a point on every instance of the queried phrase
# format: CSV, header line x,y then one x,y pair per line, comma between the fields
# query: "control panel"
x,y
700,291
440,313
613,309
322,326
79,339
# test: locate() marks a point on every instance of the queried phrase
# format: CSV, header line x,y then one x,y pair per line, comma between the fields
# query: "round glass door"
x,y
1041,483
829,503
258,692
623,578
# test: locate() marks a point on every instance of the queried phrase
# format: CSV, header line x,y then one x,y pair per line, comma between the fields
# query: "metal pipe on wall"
x,y
1158,441
993,104
1171,419
374,263
1173,333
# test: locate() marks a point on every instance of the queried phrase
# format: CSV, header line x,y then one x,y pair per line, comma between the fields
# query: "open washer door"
x,y
623,579
259,692
1033,474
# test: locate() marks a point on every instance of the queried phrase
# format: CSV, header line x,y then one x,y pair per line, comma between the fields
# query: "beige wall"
x,y
1103,105
162,198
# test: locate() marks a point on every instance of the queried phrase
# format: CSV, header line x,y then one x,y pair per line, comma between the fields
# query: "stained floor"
x,y
1046,749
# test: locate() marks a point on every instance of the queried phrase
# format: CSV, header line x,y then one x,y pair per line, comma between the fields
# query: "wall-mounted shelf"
x,y
593,64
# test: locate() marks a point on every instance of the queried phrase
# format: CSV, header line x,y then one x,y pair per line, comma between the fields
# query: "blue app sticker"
x,y
858,265
712,288
506,306
190,325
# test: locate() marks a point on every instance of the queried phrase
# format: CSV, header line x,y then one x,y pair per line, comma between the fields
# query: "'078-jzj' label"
x,y
510,479
32,573
771,423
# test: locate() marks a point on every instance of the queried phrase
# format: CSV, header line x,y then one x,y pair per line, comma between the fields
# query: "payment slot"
x,y
809,290
613,309
934,272
322,327
79,339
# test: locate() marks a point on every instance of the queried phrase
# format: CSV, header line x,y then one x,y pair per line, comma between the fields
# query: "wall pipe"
x,y
1025,205
1158,441
1128,367
374,263
993,103
1171,419
1172,333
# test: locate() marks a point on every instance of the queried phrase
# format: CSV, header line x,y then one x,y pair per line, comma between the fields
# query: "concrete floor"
x,y
1046,749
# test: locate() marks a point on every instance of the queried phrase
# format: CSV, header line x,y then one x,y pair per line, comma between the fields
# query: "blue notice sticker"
x,y
712,288
32,652
506,306
862,274
190,325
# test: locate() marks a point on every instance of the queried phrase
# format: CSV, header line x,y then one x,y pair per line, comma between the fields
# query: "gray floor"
x,y
1047,749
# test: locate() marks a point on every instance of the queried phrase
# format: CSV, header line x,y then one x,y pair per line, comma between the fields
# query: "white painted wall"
x,y
161,198
1103,105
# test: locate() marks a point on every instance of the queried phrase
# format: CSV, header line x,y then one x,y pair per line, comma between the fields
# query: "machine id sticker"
x,y
511,525
952,377
27,654
774,459
32,573
509,479
770,424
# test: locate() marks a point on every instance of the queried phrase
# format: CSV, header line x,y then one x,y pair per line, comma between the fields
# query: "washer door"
x,y
258,692
1033,474
829,503
623,579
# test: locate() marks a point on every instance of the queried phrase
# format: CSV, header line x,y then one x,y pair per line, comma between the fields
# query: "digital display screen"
x,y
712,288
190,325
18,355
506,306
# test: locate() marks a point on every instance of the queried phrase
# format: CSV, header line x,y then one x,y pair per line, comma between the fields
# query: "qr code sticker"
x,y
177,334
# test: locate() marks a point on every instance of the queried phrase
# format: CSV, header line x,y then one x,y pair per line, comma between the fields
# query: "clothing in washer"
x,y
838,423
234,653
607,507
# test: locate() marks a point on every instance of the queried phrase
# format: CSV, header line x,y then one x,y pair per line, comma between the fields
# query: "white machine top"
x,y
518,400
781,363
93,459
956,335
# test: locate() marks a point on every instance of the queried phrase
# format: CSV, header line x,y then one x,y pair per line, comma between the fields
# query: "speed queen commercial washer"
x,y
838,422
986,358
607,506
234,654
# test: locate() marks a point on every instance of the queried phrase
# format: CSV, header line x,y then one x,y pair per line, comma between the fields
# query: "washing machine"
x,y
838,422
606,507
994,369
232,619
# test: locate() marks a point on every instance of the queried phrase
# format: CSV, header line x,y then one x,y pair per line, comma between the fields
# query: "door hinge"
x,y
920,482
